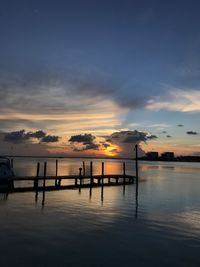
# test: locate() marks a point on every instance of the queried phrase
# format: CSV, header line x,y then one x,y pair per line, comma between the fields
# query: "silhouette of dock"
x,y
75,182
82,180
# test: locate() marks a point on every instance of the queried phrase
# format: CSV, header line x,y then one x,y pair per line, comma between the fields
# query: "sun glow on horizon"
x,y
112,150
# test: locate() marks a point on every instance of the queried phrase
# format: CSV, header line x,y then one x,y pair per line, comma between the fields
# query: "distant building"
x,y
167,156
152,155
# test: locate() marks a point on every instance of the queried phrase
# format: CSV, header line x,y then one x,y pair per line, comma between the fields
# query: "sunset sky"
x,y
96,77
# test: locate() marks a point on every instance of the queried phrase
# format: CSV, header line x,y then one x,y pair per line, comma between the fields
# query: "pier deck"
x,y
83,180
76,182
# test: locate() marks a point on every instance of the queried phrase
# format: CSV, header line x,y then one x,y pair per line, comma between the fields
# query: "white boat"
x,y
6,172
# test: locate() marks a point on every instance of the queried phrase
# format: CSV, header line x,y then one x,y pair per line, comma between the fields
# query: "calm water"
x,y
72,229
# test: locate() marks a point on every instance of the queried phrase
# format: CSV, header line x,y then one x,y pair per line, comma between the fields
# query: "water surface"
x,y
76,229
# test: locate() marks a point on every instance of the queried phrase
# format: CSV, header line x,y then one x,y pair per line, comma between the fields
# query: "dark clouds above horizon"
x,y
21,136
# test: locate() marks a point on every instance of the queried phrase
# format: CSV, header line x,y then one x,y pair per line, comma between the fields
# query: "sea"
x,y
72,228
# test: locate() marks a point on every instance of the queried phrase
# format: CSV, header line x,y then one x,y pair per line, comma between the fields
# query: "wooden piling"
x,y
12,163
56,168
56,181
124,176
45,174
102,180
83,168
136,170
37,175
80,177
102,173
91,173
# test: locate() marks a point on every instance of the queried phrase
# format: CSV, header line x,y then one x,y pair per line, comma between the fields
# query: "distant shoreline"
x,y
68,157
176,159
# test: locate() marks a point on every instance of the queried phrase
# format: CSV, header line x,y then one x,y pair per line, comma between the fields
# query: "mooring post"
x,y
91,173
102,179
80,177
102,174
136,169
56,168
124,176
83,168
37,175
12,163
91,178
45,174
56,181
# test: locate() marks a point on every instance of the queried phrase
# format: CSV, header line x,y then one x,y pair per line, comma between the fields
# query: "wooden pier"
x,y
82,180
75,182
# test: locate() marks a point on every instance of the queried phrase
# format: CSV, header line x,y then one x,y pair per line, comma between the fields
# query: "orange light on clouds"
x,y
111,151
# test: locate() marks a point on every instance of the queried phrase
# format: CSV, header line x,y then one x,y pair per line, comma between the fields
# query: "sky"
x,y
96,77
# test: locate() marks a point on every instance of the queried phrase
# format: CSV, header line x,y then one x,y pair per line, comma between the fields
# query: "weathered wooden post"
x,y
83,168
12,163
102,174
124,177
80,177
136,169
45,174
91,173
91,178
56,181
56,168
37,175
102,180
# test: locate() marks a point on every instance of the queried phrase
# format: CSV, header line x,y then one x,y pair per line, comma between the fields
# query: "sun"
x,y
111,151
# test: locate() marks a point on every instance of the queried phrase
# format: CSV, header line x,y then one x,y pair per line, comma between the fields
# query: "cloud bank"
x,y
87,142
17,137
177,100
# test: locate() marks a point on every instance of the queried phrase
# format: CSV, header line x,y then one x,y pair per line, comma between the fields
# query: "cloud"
x,y
21,136
177,100
191,133
126,137
57,92
50,139
130,137
122,139
106,145
38,134
126,140
92,146
82,138
16,137
87,142
151,137
58,100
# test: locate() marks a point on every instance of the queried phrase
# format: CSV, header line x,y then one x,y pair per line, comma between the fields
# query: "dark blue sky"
x,y
142,42
146,53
